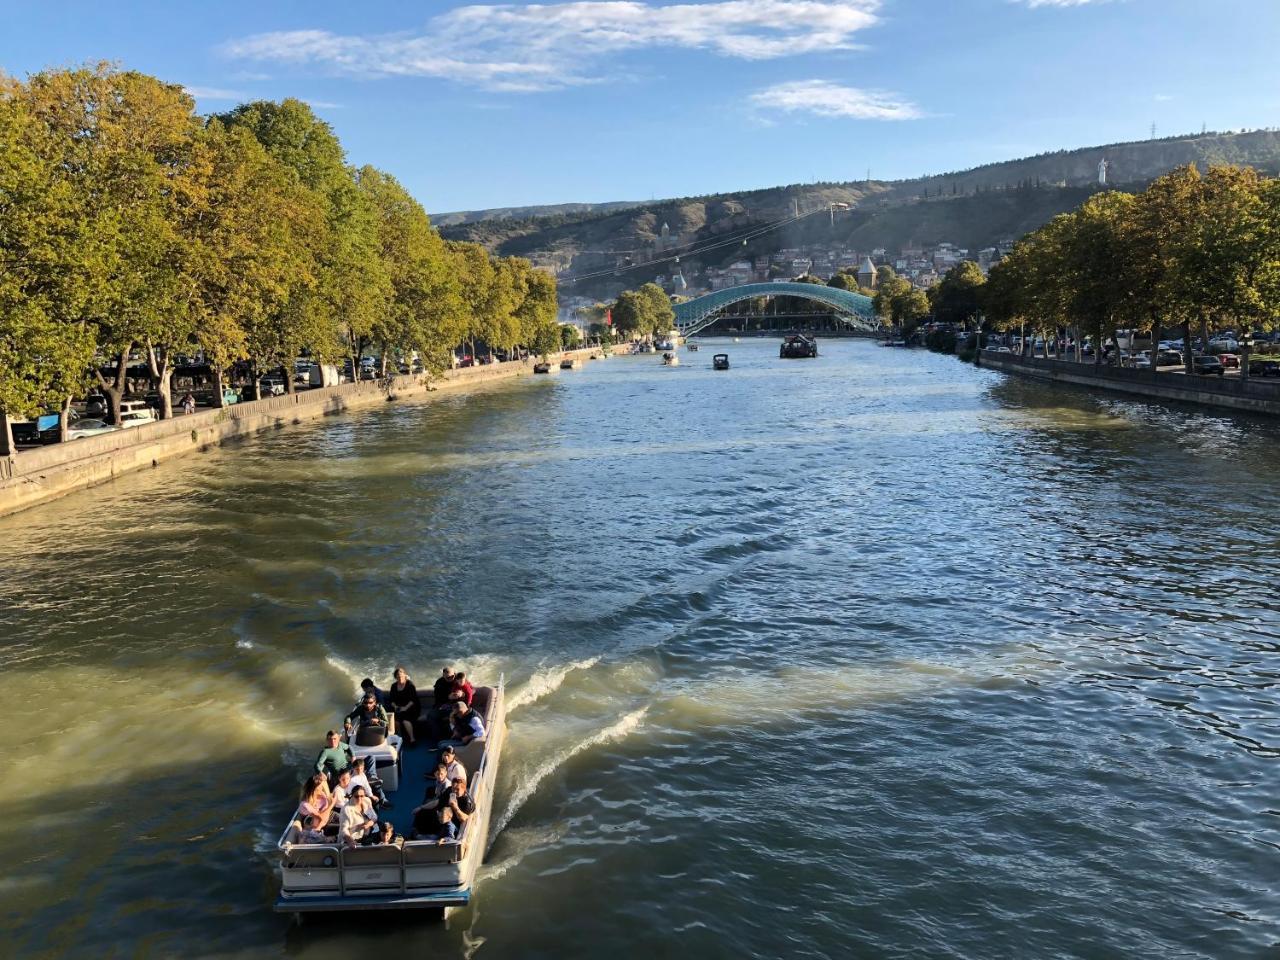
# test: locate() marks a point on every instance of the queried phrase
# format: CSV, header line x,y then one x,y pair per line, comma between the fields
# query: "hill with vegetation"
x,y
972,208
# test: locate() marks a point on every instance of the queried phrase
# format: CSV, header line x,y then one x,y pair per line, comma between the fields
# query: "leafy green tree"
x,y
660,316
957,299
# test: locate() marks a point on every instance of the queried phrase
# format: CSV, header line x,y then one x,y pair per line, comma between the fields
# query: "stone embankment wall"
x,y
36,476
1254,395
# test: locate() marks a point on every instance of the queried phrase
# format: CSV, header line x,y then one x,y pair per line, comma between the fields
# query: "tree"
x,y
661,317
957,299
630,314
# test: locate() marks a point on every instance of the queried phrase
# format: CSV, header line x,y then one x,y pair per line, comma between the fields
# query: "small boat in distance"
x,y
670,360
542,367
408,874
720,361
691,347
570,363
797,347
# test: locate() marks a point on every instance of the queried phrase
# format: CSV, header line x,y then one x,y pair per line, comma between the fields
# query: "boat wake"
x,y
544,682
527,788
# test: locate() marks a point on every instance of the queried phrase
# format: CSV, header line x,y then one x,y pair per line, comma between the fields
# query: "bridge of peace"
x,y
853,310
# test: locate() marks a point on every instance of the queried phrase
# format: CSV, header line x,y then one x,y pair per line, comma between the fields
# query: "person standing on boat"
x,y
404,699
335,757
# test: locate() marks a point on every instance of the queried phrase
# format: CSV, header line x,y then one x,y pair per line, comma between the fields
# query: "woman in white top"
x,y
358,818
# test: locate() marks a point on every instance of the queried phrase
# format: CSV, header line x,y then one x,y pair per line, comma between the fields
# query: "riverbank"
x,y
1252,396
34,477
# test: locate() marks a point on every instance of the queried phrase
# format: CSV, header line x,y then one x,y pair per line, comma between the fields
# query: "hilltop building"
x,y
867,274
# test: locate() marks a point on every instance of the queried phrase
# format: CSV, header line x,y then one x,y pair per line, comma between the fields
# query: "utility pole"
x,y
1153,129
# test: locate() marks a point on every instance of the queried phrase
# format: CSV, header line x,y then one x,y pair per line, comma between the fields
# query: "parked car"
x,y
87,427
1264,368
1229,361
1207,366
229,396
137,418
273,386
1170,358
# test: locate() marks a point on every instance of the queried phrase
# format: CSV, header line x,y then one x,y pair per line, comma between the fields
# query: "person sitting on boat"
x,y
446,831
462,689
372,784
467,726
404,699
317,800
341,788
358,819
424,815
368,712
311,832
367,686
387,835
453,768
442,706
461,802
336,755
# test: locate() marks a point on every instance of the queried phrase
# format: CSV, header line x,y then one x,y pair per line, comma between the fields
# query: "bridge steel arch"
x,y
697,314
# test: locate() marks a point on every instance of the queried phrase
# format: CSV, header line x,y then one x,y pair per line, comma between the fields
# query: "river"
x,y
874,655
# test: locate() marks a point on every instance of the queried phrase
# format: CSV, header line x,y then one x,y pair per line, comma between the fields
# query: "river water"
x,y
874,655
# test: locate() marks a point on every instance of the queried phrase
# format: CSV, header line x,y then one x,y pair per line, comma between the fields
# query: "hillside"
x,y
524,213
971,208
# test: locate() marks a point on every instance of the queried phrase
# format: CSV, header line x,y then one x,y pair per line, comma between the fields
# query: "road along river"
x,y
871,655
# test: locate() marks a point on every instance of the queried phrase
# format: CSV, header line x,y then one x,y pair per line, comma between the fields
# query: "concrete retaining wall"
x,y
1253,395
36,476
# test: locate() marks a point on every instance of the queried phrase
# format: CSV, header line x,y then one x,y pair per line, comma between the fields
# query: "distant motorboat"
x,y
691,347
670,360
797,347
570,363
542,367
720,361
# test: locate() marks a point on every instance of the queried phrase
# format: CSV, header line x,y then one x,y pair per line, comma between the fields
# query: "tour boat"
x,y
414,874
570,363
797,347
670,360
691,347
720,361
542,368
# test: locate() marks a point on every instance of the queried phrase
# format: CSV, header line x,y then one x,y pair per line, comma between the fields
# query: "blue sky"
x,y
483,105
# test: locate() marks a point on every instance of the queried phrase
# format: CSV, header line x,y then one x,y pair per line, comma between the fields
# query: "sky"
x,y
485,105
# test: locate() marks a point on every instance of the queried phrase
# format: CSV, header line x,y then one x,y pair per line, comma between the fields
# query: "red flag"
x,y
608,316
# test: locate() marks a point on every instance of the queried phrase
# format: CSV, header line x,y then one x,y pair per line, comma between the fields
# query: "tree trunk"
x,y
217,387
6,436
162,374
1244,363
288,370
1187,365
114,390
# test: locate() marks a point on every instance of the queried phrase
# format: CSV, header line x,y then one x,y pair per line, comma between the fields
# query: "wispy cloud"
x,y
217,93
546,46
324,104
823,98
1162,98
1059,3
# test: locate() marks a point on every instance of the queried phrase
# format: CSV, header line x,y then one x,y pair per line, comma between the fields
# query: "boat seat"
x,y
416,852
370,736
375,855
312,858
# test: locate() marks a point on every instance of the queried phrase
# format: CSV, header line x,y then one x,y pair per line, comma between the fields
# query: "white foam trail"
x,y
544,682
524,843
525,790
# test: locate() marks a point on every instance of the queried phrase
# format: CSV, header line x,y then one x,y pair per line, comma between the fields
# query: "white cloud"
x,y
217,93
1059,3
823,98
1163,98
545,46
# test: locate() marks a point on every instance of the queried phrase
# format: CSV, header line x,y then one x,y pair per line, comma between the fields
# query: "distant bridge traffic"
x,y
853,309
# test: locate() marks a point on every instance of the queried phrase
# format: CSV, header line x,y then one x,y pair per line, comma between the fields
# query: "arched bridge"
x,y
852,308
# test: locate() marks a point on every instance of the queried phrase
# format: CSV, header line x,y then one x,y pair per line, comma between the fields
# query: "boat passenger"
x,y
367,686
404,699
443,687
446,831
453,768
311,832
372,784
467,725
424,815
335,757
462,689
369,712
342,788
317,801
462,803
442,706
387,835
358,818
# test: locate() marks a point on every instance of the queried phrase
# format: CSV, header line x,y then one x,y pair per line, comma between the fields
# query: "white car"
x,y
87,428
273,386
136,418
